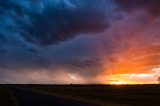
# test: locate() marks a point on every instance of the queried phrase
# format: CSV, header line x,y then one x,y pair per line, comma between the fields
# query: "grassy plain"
x,y
6,97
105,95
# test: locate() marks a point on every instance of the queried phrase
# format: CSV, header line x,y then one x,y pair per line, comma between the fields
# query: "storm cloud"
x,y
60,40
53,21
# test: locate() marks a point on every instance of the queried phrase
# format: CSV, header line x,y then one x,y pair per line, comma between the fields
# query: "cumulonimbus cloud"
x,y
65,29
53,21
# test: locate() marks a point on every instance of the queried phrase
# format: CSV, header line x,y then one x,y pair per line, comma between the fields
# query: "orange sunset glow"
x,y
140,66
139,63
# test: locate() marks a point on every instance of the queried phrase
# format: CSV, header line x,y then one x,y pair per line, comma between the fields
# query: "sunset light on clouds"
x,y
80,41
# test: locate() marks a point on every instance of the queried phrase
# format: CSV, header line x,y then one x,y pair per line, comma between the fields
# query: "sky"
x,y
79,41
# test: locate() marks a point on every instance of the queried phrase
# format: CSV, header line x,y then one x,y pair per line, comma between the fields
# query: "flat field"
x,y
6,96
104,95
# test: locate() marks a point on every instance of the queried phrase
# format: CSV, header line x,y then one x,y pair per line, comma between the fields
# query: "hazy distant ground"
x,y
101,95
112,95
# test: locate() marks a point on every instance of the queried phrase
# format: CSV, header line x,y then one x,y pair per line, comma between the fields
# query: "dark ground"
x,y
81,95
29,98
104,95
5,97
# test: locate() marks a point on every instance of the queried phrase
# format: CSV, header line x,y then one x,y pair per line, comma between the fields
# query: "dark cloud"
x,y
10,5
26,24
52,21
33,50
152,6
3,51
3,39
85,63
